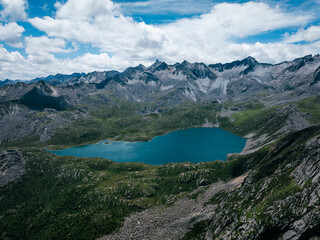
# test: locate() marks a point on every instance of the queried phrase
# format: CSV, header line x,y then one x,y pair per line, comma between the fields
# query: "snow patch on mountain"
x,y
135,81
165,88
55,92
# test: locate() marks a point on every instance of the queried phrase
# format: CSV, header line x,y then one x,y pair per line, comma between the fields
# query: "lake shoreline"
x,y
187,145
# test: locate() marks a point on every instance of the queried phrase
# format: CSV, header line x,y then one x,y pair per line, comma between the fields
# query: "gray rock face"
x,y
309,169
245,79
276,208
279,199
295,121
17,121
172,222
12,166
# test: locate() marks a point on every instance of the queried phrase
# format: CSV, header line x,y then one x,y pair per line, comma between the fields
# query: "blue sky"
x,y
42,37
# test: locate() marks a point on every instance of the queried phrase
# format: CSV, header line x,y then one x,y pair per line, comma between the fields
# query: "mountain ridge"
x,y
197,79
248,61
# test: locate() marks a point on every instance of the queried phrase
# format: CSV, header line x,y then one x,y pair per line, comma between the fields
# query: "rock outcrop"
x,y
280,197
12,166
277,199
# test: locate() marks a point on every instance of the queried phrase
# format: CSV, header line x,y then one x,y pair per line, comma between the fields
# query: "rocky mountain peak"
x,y
141,67
43,87
158,66
298,63
155,64
162,66
249,61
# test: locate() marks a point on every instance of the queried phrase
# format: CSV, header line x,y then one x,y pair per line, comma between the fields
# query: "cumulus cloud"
x,y
11,33
268,52
236,20
123,42
103,26
309,35
84,9
201,39
40,49
100,24
13,10
14,66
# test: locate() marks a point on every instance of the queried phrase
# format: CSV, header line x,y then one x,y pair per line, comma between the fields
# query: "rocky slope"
x,y
277,199
12,166
172,222
197,81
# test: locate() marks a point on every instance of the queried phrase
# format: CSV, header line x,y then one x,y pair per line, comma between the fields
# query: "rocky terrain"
x,y
173,222
278,199
12,166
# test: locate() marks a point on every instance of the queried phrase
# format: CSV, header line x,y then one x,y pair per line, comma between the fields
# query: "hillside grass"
x,y
86,198
248,121
311,105
124,121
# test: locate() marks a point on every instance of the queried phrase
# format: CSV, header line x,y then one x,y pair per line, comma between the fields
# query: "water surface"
x,y
189,145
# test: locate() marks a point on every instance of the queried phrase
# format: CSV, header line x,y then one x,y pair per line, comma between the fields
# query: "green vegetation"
x,y
197,231
258,121
254,117
79,132
85,198
124,121
251,105
311,105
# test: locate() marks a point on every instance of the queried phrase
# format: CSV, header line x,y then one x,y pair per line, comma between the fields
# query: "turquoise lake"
x,y
189,145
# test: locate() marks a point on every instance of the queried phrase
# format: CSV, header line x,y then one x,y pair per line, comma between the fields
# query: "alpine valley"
x,y
268,191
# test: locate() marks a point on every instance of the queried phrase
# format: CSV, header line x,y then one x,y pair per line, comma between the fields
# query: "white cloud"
x,y
101,25
10,64
227,21
196,39
84,9
11,33
13,10
40,49
268,52
45,44
14,66
309,35
208,37
124,42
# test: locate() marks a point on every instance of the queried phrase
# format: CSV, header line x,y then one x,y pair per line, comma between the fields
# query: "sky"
x,y
43,37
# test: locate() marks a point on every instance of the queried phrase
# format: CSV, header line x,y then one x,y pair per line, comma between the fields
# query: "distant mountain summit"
x,y
243,79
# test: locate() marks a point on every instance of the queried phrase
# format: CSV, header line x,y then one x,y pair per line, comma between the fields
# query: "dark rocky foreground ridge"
x,y
269,191
276,199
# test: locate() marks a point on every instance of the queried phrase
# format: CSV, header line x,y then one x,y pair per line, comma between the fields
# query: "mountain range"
x,y
197,81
